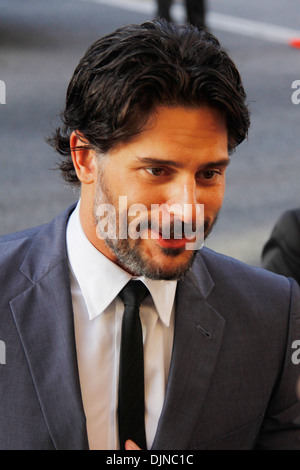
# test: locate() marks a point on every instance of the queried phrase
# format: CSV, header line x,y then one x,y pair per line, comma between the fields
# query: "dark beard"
x,y
131,259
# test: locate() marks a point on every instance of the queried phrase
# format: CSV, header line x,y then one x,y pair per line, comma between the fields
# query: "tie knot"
x,y
134,293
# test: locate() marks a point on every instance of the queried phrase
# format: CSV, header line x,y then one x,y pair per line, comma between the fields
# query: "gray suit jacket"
x,y
232,381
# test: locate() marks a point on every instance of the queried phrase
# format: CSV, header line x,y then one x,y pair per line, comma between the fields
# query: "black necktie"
x,y
131,406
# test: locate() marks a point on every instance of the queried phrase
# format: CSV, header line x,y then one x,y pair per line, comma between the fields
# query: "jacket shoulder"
x,y
230,271
33,251
251,295
15,245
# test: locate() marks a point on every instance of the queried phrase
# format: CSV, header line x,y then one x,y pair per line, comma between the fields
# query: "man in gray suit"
x,y
152,113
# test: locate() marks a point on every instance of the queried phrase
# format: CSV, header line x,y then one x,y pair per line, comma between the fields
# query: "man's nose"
x,y
182,201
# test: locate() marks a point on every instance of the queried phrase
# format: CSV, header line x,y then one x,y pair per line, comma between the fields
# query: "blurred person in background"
x,y
196,11
281,253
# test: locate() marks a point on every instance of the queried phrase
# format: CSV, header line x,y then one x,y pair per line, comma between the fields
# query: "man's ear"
x,y
83,158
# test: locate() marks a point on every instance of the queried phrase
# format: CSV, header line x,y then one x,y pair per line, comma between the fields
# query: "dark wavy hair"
x,y
126,75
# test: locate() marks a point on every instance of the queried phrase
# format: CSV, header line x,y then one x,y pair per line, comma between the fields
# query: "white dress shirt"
x,y
95,284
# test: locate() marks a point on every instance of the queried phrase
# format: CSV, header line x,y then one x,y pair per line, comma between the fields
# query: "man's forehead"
x,y
178,135
184,122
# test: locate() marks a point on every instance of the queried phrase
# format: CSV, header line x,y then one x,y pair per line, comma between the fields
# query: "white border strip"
x,y
231,24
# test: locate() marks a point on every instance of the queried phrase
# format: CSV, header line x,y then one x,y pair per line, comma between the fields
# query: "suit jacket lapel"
x,y
197,340
44,318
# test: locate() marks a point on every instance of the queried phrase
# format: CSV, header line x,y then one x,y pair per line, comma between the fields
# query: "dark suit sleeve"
x,y
281,425
281,254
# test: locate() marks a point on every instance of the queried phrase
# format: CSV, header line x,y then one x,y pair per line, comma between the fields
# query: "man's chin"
x,y
162,273
162,264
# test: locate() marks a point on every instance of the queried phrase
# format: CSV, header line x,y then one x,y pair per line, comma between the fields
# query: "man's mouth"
x,y
175,243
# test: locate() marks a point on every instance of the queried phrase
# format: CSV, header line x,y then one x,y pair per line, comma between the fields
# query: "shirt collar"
x,y
101,280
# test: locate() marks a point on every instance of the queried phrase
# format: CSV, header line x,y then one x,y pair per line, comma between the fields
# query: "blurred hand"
x,y
130,445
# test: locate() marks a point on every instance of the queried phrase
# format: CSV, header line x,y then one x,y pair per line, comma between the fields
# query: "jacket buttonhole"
x,y
206,333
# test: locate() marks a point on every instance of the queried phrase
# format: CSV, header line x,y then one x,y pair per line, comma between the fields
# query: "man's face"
x,y
178,161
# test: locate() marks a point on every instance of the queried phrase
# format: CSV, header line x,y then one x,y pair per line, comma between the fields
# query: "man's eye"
x,y
155,171
210,174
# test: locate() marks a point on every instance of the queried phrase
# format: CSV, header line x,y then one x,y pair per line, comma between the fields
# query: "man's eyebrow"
x,y
223,162
159,161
